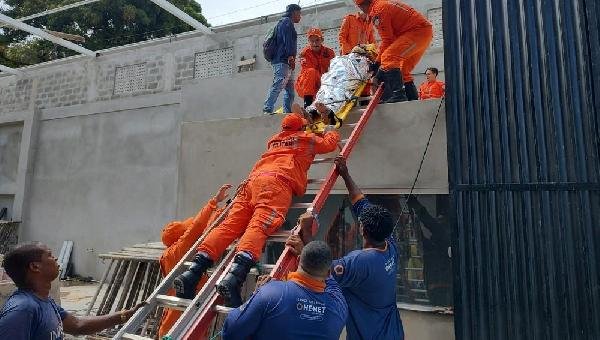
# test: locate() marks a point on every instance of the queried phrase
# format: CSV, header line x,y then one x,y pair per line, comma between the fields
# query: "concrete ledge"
x,y
131,103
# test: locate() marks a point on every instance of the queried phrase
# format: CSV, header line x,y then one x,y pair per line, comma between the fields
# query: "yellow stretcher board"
x,y
319,125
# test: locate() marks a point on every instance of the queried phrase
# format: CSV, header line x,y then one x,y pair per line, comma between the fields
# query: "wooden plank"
x,y
109,287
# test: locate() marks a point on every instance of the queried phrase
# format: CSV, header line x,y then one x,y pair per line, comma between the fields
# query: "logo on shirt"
x,y
310,310
390,264
288,143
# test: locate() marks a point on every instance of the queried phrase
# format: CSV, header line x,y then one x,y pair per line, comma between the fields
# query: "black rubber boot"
x,y
393,87
231,286
411,91
185,284
308,100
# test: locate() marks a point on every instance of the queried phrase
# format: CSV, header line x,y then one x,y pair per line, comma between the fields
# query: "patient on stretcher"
x,y
341,84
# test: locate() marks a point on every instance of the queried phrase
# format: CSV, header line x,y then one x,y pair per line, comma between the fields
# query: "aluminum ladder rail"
x,y
191,328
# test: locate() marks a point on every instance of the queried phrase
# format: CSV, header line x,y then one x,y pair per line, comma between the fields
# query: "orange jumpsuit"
x,y
313,64
434,89
179,237
405,35
355,30
262,203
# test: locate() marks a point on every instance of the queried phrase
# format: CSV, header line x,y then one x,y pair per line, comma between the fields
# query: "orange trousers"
x,y
258,211
406,52
308,82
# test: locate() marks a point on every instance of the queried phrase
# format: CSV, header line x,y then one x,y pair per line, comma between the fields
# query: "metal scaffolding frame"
x,y
19,24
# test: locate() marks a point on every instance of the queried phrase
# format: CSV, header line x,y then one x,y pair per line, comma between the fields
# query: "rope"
x,y
422,159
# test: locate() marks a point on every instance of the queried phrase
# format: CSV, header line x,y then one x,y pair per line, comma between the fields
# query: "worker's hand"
x,y
128,313
340,166
262,280
223,194
292,62
295,243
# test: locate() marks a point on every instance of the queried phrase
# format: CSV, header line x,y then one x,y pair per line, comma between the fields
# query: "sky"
x,y
220,12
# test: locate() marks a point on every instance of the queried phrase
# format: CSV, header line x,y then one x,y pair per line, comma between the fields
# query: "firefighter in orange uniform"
x,y
260,207
432,88
179,237
356,29
405,36
314,61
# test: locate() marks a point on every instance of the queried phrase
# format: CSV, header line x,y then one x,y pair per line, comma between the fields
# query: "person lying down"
x,y
347,74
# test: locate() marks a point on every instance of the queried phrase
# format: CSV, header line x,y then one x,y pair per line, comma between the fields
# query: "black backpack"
x,y
270,43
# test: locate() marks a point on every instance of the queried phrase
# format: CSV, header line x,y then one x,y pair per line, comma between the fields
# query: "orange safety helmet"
x,y
293,122
314,32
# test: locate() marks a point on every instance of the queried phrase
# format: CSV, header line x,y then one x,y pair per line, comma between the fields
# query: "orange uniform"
x,y
313,64
434,89
261,205
405,35
355,30
179,237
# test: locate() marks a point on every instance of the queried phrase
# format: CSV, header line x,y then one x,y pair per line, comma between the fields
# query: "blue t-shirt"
x,y
27,317
286,310
368,281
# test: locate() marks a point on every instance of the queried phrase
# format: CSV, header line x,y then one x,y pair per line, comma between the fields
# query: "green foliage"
x,y
104,24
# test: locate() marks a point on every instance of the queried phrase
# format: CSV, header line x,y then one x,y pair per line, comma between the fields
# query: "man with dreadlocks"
x,y
367,276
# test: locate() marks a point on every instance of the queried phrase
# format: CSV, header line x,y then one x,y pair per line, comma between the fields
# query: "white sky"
x,y
219,12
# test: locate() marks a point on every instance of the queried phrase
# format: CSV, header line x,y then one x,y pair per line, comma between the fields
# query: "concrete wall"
x,y
385,160
98,155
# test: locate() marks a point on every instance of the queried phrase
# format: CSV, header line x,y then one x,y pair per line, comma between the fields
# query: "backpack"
x,y
270,43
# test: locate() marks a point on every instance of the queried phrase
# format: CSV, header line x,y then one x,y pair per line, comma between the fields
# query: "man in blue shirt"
x,y
309,305
284,60
368,276
29,313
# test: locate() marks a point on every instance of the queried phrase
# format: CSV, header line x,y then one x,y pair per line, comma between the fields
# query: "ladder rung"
x,y
173,302
316,181
365,98
352,125
134,337
344,141
323,160
222,309
280,236
301,205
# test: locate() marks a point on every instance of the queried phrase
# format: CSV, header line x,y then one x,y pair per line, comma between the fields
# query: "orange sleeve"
x,y
370,33
176,251
421,90
306,60
327,143
343,36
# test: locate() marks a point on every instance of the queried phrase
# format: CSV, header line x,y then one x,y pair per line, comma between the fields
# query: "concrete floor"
x,y
75,297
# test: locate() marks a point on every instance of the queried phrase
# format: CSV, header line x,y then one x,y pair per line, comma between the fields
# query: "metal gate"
x,y
523,82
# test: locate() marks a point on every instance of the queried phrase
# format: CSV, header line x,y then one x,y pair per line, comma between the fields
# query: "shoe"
x,y
185,284
267,113
231,286
393,87
411,91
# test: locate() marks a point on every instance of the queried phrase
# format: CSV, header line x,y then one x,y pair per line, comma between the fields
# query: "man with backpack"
x,y
280,49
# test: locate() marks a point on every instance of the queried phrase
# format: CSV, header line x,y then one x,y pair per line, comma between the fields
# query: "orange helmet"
x,y
293,122
314,32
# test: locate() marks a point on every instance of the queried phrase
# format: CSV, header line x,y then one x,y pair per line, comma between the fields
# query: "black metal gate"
x,y
523,82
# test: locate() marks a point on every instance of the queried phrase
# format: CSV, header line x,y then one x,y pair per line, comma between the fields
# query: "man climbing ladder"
x,y
260,207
